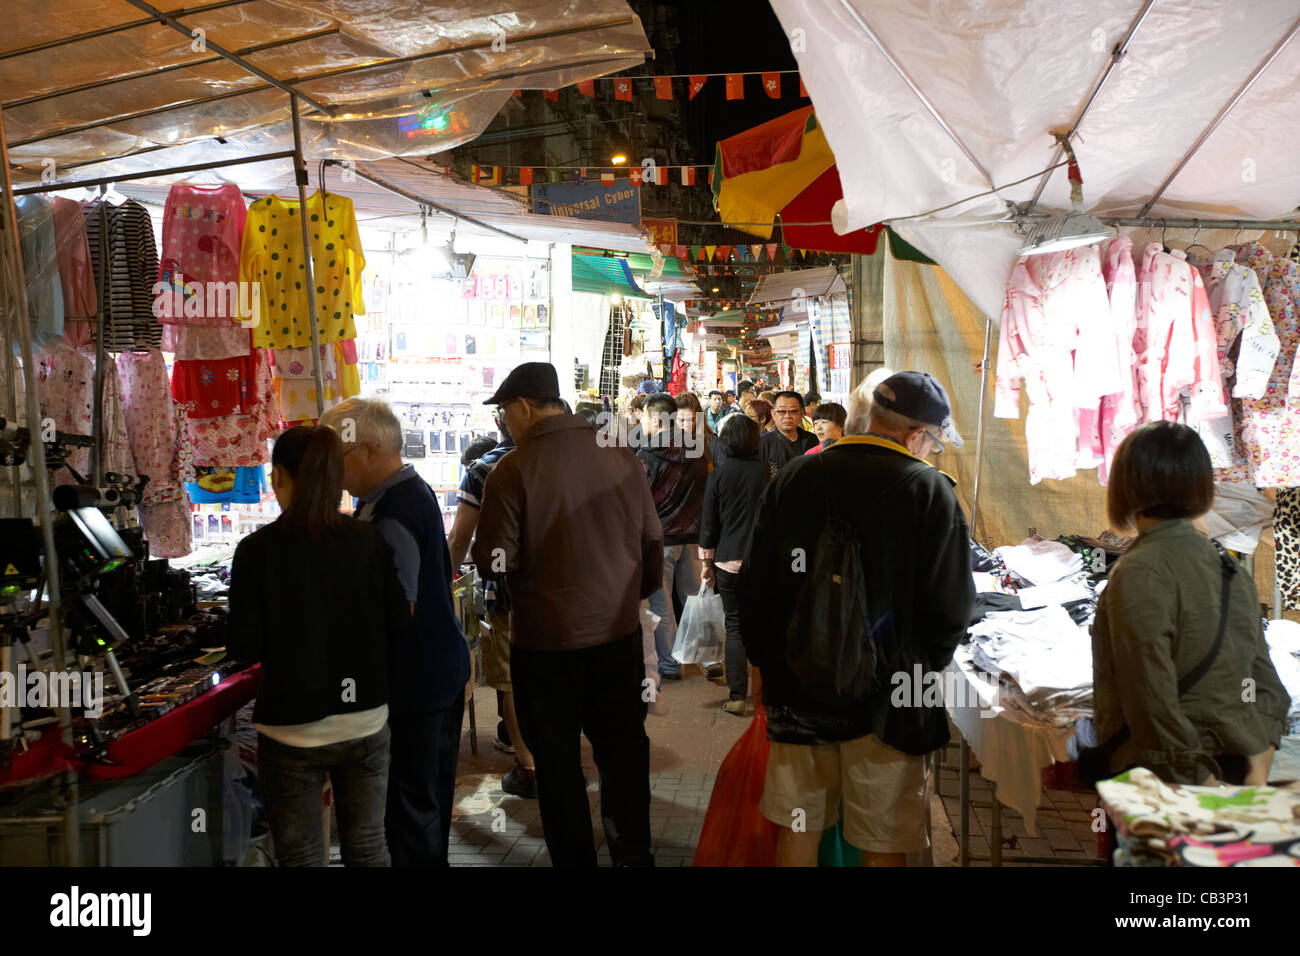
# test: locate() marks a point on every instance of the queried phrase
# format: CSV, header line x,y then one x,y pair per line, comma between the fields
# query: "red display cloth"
x,y
159,739
47,757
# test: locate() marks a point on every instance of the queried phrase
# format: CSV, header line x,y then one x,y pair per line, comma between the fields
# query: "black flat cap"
x,y
529,380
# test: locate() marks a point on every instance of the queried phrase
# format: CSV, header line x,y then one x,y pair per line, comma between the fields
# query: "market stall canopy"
x,y
671,282
780,287
605,275
945,108
108,86
785,168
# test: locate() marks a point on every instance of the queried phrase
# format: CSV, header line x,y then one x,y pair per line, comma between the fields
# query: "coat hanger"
x,y
1195,244
110,194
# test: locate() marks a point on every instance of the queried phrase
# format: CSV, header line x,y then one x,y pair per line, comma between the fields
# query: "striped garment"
x,y
128,259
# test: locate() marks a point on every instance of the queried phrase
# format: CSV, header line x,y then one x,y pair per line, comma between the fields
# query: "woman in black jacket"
x,y
730,504
314,597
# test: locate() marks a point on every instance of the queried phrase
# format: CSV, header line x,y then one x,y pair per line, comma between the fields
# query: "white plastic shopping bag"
x,y
701,633
655,703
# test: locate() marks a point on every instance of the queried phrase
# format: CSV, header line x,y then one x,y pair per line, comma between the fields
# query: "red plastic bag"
x,y
735,833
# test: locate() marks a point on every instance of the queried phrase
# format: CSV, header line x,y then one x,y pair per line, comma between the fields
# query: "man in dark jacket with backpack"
x,y
859,556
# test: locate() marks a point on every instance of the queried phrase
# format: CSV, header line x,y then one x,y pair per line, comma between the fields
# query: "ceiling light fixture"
x,y
1065,230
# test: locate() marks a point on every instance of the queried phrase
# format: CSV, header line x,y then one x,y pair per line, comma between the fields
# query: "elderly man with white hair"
x,y
428,676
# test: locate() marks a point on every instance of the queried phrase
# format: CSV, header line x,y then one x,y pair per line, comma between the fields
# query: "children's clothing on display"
x,y
67,386
191,342
1270,427
38,243
221,485
273,256
1286,532
76,269
239,439
168,529
201,241
151,424
130,272
209,388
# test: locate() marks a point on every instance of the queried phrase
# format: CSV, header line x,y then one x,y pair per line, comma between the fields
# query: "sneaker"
x,y
676,675
736,707
503,745
521,782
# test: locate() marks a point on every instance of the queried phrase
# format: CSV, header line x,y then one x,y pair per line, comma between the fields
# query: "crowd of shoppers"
x,y
814,523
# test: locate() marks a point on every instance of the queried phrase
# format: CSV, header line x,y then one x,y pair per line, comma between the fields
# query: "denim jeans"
x,y
292,780
422,785
737,661
681,572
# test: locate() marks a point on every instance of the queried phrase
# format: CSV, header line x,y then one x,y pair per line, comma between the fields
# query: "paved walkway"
x,y
493,828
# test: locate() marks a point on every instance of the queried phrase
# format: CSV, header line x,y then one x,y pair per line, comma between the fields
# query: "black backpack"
x,y
829,645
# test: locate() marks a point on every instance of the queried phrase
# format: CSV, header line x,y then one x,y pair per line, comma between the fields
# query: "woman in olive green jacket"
x,y
1158,618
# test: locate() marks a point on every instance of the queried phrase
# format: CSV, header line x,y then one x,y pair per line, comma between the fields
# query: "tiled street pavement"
x,y
686,748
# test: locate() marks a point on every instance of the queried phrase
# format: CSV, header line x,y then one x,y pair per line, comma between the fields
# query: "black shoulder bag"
x,y
1094,762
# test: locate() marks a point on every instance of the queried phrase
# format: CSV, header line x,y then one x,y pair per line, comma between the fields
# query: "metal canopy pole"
x,y
979,433
1116,54
1285,225
300,174
230,55
153,173
421,201
23,331
1227,107
929,107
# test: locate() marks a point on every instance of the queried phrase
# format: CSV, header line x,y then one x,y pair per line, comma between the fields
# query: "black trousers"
x,y
422,785
560,695
737,662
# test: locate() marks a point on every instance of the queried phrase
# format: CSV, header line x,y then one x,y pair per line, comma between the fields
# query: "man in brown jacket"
x,y
571,531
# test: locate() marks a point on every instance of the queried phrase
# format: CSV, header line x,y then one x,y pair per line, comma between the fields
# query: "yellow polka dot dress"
x,y
273,257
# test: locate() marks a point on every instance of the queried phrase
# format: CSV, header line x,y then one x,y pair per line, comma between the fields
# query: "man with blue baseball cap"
x,y
860,553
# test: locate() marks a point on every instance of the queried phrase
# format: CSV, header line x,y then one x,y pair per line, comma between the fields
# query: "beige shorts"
x,y
494,642
884,792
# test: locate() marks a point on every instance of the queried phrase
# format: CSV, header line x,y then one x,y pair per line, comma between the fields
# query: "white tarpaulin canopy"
x,y
938,101
799,284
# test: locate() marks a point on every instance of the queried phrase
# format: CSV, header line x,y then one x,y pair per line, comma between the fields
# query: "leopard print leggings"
x,y
1286,529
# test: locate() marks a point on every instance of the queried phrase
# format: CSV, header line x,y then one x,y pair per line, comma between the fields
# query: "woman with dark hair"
x,y
1178,629
315,599
760,410
730,504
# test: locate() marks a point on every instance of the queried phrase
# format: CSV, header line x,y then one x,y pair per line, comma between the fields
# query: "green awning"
x,y
605,275
643,265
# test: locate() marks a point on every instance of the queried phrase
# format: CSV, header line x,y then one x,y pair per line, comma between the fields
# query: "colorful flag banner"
x,y
552,95
587,88
735,86
757,252
526,176
803,90
518,93
771,251
688,175
487,175
772,85
697,84
711,250
664,87
634,175
623,90
607,179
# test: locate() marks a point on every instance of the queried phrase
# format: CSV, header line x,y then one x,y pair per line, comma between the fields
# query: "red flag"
x,y
634,176
680,252
735,86
661,175
518,93
607,179
552,95
664,87
697,84
771,251
772,85
688,175
525,176
587,87
623,90
724,253
803,90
